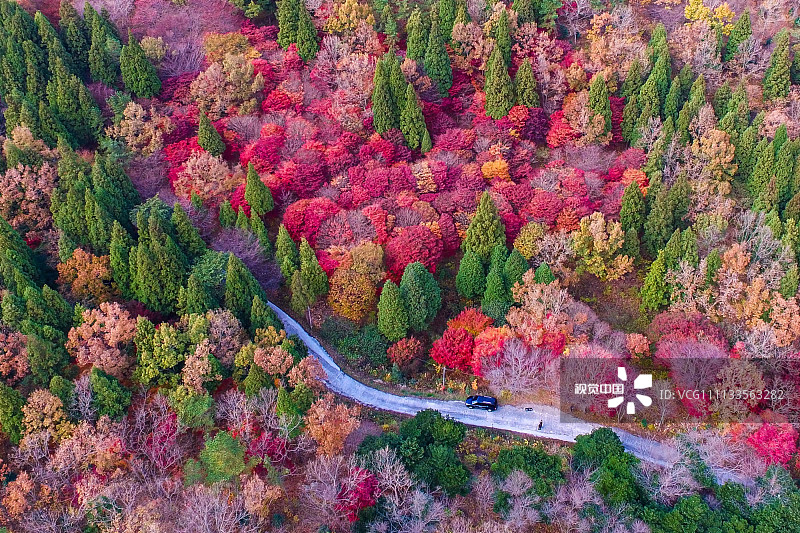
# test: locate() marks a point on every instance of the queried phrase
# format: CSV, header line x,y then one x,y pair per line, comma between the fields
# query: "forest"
x,y
454,197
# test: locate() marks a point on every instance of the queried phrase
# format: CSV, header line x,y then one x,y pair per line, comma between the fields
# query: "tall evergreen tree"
x,y
471,278
240,289
598,99
119,251
208,137
655,292
288,21
485,230
498,88
227,217
763,172
447,17
543,274
631,213
415,39
514,268
526,10
421,295
437,62
392,314
658,226
397,81
310,281
497,298
258,229
262,317
195,298
307,45
138,74
722,98
502,37
673,100
256,194
633,80
101,65
188,237
286,254
740,33
525,83
412,122
776,80
75,35
388,21
385,115
629,117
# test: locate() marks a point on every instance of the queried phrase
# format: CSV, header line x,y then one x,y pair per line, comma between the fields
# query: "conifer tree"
x,y
101,65
258,229
397,81
525,83
658,43
629,117
416,43
776,80
672,250
795,70
784,166
392,314
543,274
514,268
242,222
485,230
188,237
208,137
780,137
497,298
763,172
526,10
75,35
658,225
631,246
655,292
447,17
98,224
73,105
157,266
302,299
412,122
689,251
721,99
427,143
256,194
740,33
502,37
437,62
119,251
498,87
672,101
312,281
286,254
240,289
388,21
598,99
743,155
195,298
471,278
227,217
421,296
11,403
138,74
633,80
288,22
307,46
13,245
631,213
262,317
384,108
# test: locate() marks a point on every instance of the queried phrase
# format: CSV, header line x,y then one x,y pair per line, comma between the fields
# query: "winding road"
x,y
507,417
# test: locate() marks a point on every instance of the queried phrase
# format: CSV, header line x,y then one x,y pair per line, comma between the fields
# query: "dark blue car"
x,y
482,402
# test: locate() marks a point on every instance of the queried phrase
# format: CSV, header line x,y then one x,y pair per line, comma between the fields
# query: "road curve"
x,y
507,417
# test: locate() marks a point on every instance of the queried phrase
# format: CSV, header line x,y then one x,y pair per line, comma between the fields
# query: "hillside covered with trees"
x,y
455,197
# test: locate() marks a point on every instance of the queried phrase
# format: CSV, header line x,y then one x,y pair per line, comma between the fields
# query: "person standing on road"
x,y
540,424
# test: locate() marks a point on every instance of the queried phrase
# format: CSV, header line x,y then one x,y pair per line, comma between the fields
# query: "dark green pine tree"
x,y
680,200
672,250
288,22
498,257
385,115
661,76
256,194
795,70
75,35
525,83
658,43
392,314
157,268
427,143
421,295
655,292
11,403
242,222
258,229
629,117
763,172
412,122
51,127
502,37
35,70
722,98
658,226
73,105
240,289
186,234
307,45
12,244
286,254
632,212
598,99
496,299
447,17
397,81
526,10
781,136
784,171
138,74
227,216
119,251
689,252
208,137
485,230
98,224
673,100
514,267
776,80
471,277
415,40
633,80
437,62
196,298
498,87
262,317
631,246
101,64
648,96
543,274
388,21
743,155
313,276
740,33
68,211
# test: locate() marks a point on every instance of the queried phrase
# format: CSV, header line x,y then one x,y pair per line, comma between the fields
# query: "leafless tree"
x,y
574,15
213,510
665,406
518,369
186,55
82,406
328,482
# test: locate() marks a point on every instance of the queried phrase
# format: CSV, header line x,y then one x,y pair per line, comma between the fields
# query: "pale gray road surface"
x,y
507,417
